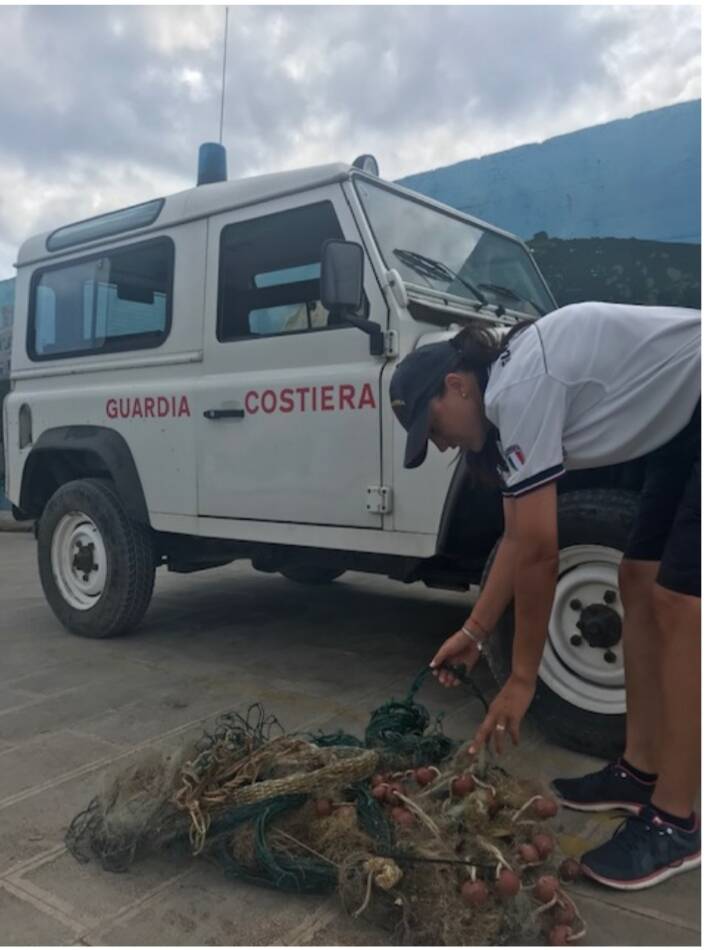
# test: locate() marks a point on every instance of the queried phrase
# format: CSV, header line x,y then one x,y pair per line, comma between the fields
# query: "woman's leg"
x,y
641,663
664,839
677,602
679,738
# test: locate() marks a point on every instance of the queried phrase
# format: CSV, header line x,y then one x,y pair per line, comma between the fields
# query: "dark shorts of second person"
x,y
668,524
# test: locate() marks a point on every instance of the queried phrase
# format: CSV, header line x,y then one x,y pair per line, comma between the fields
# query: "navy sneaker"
x,y
611,787
644,851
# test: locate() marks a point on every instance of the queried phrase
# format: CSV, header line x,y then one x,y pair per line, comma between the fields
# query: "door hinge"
x,y
379,499
391,343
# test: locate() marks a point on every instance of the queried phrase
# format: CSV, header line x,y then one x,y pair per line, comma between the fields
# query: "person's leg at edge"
x,y
642,667
679,650
629,781
664,838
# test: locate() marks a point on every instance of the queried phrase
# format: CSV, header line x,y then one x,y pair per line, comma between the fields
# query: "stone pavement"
x,y
317,658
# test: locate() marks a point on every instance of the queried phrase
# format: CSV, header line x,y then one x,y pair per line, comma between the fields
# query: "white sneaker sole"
x,y
687,864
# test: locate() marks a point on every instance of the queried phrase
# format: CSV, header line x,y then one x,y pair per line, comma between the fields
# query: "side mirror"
x,y
341,288
342,275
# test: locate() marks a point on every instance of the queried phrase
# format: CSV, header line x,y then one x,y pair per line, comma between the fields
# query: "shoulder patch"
x,y
515,458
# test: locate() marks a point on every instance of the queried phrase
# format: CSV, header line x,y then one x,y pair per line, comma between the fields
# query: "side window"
x,y
118,301
269,273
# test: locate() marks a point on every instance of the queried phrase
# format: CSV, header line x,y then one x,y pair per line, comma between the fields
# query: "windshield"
x,y
432,248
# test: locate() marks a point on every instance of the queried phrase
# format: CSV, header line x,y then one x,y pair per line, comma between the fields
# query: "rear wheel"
x,y
580,700
96,565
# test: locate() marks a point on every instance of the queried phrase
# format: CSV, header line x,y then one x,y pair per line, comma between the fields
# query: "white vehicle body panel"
x,y
284,477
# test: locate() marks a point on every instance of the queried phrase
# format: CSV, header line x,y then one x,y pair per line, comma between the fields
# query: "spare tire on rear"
x,y
580,700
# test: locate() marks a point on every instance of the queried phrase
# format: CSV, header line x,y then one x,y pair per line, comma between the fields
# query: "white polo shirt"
x,y
592,384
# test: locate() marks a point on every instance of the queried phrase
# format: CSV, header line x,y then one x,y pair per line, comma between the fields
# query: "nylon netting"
x,y
402,824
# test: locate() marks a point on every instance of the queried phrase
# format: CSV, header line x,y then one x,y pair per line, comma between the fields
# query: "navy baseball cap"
x,y
416,380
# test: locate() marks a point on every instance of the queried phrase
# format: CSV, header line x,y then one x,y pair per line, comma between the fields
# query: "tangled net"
x,y
412,834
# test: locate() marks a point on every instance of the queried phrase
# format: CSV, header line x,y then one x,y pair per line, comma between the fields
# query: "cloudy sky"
x,y
104,106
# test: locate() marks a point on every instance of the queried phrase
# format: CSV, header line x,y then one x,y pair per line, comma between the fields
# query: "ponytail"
x,y
478,348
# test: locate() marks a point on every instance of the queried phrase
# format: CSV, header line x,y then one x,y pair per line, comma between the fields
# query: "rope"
x,y
468,681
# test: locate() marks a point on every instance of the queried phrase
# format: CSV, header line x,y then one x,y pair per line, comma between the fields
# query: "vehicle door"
x,y
289,413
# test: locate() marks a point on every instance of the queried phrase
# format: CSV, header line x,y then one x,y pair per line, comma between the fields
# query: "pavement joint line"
x,y
30,864
16,682
38,700
41,736
648,913
41,669
77,733
41,905
110,760
43,896
128,911
98,763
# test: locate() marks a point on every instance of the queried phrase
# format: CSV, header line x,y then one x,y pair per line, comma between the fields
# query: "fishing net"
x,y
409,831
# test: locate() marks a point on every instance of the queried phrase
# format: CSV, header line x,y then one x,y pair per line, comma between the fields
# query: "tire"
x,y
573,707
311,574
85,519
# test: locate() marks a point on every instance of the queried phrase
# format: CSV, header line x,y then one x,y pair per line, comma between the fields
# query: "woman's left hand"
x,y
505,714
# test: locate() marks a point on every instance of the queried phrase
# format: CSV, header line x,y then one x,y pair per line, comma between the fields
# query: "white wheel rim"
x,y
580,674
79,561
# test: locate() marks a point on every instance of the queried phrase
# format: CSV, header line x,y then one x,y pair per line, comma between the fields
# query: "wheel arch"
x,y
67,452
472,520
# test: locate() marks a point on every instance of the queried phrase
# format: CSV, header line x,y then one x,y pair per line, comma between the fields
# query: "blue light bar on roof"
x,y
105,225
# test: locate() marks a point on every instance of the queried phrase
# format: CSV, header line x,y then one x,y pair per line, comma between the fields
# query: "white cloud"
x,y
106,106
36,202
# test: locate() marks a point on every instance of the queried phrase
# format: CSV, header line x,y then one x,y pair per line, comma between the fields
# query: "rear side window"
x,y
269,273
119,300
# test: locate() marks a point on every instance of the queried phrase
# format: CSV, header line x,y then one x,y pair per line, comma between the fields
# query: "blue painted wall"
x,y
638,177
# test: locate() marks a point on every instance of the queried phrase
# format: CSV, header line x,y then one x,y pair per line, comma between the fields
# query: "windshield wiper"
x,y
429,267
512,295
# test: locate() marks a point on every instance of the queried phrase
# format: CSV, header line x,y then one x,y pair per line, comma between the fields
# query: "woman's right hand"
x,y
458,650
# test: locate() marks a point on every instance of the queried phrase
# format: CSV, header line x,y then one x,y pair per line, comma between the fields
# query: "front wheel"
x,y
580,700
96,565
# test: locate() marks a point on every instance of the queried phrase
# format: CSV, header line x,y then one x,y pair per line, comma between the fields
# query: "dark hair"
x,y
478,347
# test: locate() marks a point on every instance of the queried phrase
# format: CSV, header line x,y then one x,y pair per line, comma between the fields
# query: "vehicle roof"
x,y
197,202
201,201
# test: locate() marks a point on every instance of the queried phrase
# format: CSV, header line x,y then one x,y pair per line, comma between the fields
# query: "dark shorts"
x,y
668,524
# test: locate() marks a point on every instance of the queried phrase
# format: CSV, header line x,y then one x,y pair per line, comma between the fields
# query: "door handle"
x,y
224,413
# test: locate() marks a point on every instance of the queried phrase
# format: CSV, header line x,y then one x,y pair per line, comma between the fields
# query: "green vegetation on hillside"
x,y
620,270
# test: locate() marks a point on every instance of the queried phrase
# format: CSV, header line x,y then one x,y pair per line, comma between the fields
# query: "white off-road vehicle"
x,y
205,377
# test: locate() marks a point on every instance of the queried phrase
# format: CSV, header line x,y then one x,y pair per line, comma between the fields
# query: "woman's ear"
x,y
456,383
460,385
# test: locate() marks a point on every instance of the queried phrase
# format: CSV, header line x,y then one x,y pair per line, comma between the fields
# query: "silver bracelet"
x,y
478,641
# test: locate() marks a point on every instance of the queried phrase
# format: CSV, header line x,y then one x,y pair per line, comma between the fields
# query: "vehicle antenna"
x,y
225,59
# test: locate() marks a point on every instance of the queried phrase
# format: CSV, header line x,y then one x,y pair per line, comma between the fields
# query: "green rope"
x,y
324,740
276,869
399,727
370,815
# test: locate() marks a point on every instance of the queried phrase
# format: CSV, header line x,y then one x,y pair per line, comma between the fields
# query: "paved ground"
x,y
315,657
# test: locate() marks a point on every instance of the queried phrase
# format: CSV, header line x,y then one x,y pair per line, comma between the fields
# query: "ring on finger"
x,y
500,727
